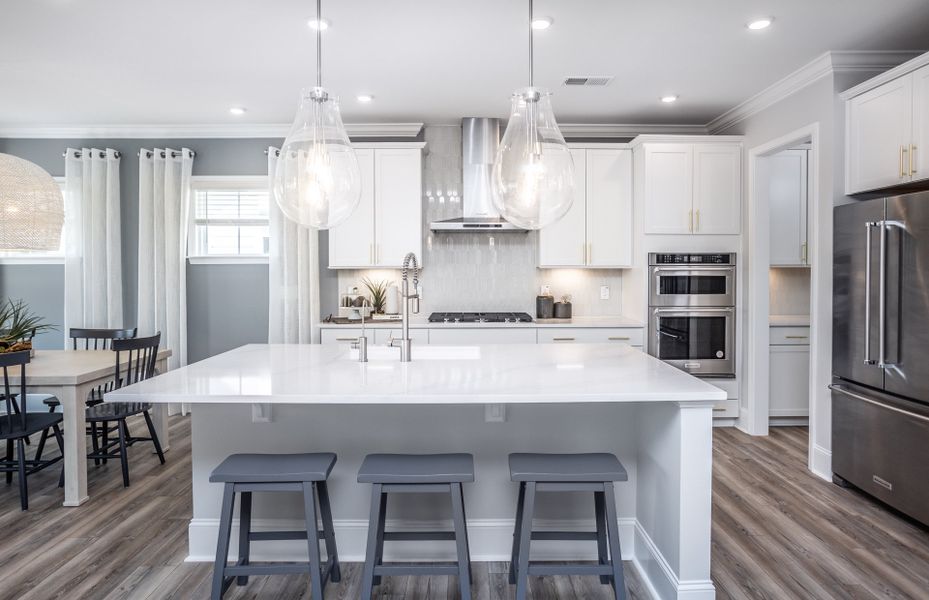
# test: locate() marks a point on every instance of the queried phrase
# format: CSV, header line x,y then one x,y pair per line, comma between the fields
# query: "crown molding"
x,y
357,130
622,130
822,66
887,76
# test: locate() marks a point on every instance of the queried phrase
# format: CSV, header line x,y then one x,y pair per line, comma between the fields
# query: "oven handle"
x,y
693,270
686,311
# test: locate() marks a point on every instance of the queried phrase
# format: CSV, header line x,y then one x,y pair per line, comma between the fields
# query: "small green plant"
x,y
18,325
566,299
378,291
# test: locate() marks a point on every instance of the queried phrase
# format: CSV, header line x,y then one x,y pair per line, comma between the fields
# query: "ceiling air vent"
x,y
589,80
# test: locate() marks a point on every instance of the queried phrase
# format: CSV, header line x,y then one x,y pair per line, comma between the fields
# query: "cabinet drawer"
x,y
790,336
447,336
340,336
632,336
730,406
382,336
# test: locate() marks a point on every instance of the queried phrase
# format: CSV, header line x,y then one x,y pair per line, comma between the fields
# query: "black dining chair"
x,y
140,356
17,425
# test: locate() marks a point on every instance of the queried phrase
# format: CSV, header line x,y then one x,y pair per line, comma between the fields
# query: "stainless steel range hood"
x,y
479,140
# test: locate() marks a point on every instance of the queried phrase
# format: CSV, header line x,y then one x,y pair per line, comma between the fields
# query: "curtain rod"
x,y
174,154
77,154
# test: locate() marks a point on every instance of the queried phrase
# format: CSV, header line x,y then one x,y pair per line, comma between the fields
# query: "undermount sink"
x,y
420,353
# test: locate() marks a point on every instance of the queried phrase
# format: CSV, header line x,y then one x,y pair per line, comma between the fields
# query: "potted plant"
x,y
563,308
18,325
378,291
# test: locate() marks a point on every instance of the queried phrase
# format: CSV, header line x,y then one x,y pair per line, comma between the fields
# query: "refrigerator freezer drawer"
x,y
881,445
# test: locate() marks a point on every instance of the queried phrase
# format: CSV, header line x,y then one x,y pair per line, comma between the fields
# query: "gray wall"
x,y
241,316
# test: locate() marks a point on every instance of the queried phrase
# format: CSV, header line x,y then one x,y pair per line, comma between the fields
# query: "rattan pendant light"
x,y
31,206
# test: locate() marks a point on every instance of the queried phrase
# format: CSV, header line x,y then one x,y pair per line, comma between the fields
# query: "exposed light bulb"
x,y
365,98
318,24
541,23
759,24
670,99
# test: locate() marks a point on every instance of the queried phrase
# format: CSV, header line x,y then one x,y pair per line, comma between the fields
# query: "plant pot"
x,y
562,310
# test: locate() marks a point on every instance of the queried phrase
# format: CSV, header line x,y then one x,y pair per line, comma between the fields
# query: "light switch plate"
x,y
495,413
604,292
546,290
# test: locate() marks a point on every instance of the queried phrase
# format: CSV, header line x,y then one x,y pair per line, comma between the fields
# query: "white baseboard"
x,y
490,540
821,462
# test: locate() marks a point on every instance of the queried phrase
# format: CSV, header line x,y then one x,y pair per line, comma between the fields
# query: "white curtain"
x,y
93,268
293,309
164,209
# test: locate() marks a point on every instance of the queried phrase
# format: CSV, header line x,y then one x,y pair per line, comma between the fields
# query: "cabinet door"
x,y
345,337
790,381
609,208
351,244
787,198
668,188
632,336
398,174
919,168
717,188
879,126
563,243
486,335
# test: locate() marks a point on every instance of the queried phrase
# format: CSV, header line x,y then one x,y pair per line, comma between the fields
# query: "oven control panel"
x,y
657,258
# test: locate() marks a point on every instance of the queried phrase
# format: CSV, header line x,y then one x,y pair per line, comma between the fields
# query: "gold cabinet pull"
x,y
377,253
618,338
338,339
697,226
371,253
797,337
563,339
590,253
690,218
583,254
803,253
903,172
913,160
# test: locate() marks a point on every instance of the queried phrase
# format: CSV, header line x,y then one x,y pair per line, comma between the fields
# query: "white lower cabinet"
x,y
341,336
451,337
632,336
383,336
728,408
789,386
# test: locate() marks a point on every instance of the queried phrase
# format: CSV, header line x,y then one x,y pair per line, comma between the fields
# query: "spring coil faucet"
x,y
408,300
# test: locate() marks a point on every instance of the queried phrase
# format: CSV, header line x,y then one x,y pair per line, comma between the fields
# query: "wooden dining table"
x,y
70,375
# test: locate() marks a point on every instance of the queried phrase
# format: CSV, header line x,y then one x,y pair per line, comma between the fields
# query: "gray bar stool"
x,y
415,473
247,473
567,473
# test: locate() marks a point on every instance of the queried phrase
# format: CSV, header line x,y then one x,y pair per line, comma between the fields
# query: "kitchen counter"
x,y
488,400
789,320
422,323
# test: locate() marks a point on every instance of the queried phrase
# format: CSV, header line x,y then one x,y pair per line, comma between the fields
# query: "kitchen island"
x,y
558,398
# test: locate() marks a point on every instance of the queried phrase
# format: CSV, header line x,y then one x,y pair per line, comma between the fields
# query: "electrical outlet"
x,y
604,292
546,290
495,413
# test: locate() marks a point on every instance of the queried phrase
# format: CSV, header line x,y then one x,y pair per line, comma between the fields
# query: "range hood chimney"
x,y
480,138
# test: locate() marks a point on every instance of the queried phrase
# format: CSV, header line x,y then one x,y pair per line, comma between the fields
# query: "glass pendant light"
x,y
317,182
533,174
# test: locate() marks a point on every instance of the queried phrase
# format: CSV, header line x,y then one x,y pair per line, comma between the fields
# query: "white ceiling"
x,y
161,62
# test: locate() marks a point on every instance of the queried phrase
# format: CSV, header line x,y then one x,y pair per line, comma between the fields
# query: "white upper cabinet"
x,y
609,208
388,221
669,188
692,188
564,242
597,230
788,196
717,188
920,150
397,205
879,126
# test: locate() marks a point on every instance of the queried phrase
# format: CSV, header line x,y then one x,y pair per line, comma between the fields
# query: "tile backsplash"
x,y
483,271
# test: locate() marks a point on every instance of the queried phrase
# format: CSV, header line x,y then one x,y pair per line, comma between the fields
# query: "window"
x,y
25,257
229,219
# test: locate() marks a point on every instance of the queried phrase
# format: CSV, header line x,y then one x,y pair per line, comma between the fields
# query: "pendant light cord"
x,y
319,44
530,44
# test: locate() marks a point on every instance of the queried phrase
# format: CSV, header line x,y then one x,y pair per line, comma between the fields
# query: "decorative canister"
x,y
544,307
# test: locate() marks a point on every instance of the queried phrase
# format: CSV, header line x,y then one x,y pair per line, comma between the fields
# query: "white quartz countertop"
x,y
789,321
508,373
422,323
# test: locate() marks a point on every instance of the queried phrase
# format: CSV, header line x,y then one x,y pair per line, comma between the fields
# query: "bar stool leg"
x,y
312,540
525,535
514,556
245,530
461,541
325,508
382,525
222,542
367,577
599,508
464,514
616,557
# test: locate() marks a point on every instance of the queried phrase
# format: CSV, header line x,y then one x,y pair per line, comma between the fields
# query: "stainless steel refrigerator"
x,y
880,390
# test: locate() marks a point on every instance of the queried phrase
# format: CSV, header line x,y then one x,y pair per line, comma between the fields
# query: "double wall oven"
x,y
692,312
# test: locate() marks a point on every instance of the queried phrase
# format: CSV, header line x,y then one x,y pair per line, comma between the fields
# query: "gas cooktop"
x,y
480,317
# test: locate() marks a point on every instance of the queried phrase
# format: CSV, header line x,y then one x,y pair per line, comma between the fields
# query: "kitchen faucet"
x,y
409,300
361,344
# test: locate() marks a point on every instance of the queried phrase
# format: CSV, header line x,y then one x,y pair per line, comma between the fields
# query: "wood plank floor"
x,y
778,533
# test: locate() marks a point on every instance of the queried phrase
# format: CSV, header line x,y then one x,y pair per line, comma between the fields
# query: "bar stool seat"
x,y
566,467
416,473
248,473
243,468
594,472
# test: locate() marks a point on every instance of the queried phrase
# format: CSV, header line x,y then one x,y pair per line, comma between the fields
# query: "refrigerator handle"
x,y
882,299
867,296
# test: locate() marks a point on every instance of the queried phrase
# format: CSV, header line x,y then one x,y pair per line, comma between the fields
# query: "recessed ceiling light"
x,y
542,22
365,98
669,99
238,110
759,24
322,24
